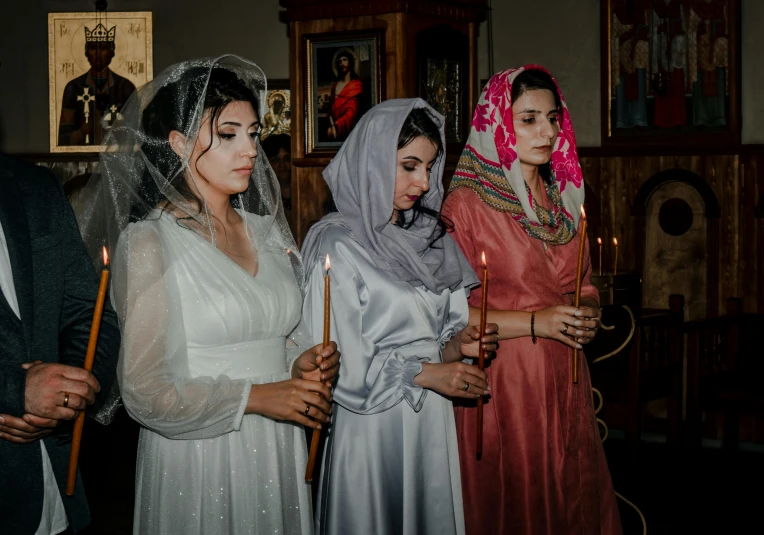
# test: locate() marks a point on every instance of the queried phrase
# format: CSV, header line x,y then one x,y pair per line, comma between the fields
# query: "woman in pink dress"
x,y
517,194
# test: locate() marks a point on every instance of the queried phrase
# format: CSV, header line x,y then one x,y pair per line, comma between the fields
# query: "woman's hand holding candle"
x,y
295,400
319,363
590,316
566,323
465,342
453,379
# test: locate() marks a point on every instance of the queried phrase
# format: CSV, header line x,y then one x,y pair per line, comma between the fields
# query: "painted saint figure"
x,y
670,108
278,120
345,97
707,22
93,100
630,62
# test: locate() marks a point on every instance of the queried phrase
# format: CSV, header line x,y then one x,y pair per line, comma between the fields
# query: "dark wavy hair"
x,y
351,65
172,109
420,123
531,80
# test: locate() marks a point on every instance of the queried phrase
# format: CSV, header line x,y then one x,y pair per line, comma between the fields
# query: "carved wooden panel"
x,y
736,236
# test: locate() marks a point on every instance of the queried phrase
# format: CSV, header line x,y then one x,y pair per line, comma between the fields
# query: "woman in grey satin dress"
x,y
399,314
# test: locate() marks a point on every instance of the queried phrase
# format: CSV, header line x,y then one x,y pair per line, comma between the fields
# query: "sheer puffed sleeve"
x,y
371,381
153,374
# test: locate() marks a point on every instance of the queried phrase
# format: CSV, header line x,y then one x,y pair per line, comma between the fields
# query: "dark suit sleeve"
x,y
12,383
80,292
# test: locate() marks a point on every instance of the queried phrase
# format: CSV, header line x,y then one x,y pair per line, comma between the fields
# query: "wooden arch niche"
x,y
398,25
678,216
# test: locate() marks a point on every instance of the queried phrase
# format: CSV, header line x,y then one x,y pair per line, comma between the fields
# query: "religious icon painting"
x,y
443,59
276,137
278,117
95,62
343,77
670,72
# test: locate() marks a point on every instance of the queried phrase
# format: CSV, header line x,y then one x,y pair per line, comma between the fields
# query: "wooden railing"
x,y
649,367
724,371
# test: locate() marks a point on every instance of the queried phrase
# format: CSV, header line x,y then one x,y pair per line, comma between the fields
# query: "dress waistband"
x,y
252,358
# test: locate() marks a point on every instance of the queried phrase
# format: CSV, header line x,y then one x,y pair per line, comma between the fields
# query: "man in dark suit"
x,y
48,289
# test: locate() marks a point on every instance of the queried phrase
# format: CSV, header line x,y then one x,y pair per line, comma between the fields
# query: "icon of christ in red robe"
x,y
345,97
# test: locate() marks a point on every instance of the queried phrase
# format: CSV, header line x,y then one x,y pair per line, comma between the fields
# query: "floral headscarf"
x,y
490,167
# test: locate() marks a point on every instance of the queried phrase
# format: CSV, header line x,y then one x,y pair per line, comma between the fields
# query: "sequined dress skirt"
x,y
249,481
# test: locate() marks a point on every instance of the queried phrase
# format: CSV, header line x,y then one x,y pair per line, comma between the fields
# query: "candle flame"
x,y
327,264
583,212
483,258
105,257
615,241
599,240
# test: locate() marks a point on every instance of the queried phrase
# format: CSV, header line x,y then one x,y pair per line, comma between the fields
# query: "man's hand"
x,y
58,391
26,430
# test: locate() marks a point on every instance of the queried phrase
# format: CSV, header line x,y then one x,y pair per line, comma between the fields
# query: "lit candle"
x,y
615,262
599,243
315,439
481,357
95,326
579,273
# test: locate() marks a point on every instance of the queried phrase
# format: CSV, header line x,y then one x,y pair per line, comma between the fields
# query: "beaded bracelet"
x,y
533,321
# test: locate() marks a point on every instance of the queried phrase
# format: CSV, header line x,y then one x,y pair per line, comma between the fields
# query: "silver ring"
x,y
66,399
466,386
307,410
564,329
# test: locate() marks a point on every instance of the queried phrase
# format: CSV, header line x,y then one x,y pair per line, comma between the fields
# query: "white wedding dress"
x,y
198,331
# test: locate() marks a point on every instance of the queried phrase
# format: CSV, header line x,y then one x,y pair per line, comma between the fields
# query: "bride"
x,y
215,365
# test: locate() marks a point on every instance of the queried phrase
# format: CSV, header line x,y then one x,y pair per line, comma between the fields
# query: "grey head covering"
x,y
361,178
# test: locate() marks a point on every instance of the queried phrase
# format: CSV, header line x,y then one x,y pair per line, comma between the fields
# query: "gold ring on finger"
x,y
307,410
564,329
66,399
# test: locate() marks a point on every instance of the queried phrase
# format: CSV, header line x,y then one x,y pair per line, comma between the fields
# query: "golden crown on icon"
x,y
100,34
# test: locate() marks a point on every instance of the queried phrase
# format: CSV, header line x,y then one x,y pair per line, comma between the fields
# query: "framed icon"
x,y
95,62
344,80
